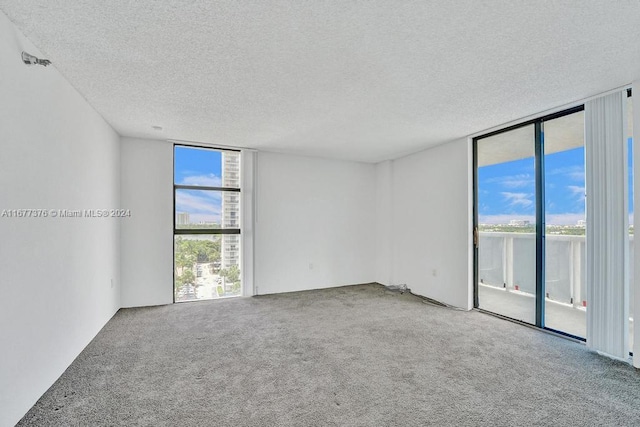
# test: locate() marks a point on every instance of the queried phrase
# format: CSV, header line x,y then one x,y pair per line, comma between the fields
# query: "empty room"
x,y
319,213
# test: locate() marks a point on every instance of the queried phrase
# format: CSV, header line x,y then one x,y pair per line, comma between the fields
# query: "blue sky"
x,y
506,191
195,166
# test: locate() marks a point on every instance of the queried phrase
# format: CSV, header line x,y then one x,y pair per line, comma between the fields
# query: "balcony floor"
x,y
521,306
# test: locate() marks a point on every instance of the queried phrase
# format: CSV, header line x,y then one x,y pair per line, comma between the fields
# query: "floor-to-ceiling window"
x,y
207,244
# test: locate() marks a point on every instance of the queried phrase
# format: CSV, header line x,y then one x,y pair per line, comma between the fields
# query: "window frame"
x,y
222,189
540,216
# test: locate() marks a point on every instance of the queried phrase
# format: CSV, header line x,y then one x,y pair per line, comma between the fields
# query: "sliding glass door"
x,y
565,221
530,222
506,230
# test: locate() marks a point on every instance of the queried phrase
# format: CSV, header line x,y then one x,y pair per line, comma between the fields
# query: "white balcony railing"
x,y
508,260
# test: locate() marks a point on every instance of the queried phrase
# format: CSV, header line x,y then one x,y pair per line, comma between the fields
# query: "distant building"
x,y
230,246
182,218
581,223
519,222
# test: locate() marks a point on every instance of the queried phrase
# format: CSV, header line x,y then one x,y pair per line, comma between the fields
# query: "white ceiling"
x,y
359,80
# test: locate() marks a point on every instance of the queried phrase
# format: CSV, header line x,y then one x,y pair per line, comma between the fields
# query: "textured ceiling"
x,y
360,80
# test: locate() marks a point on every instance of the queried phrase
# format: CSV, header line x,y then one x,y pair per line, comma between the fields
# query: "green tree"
x,y
183,277
208,250
185,259
188,253
186,278
231,274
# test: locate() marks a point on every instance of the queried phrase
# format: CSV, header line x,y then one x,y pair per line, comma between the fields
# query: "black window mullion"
x,y
201,187
540,224
206,231
476,233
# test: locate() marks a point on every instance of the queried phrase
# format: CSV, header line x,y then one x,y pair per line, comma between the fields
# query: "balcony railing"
x,y
508,260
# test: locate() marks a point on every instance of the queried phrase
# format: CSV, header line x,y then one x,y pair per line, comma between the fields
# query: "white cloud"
x,y
578,195
199,204
518,199
576,176
513,181
576,191
208,180
574,173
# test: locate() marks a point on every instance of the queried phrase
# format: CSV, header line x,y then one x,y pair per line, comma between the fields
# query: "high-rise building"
x,y
230,208
182,218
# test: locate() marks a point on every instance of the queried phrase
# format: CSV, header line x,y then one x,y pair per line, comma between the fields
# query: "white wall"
x,y
248,168
147,237
430,223
60,276
384,223
315,223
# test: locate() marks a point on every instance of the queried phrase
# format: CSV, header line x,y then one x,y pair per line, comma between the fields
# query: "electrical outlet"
x,y
310,266
434,272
